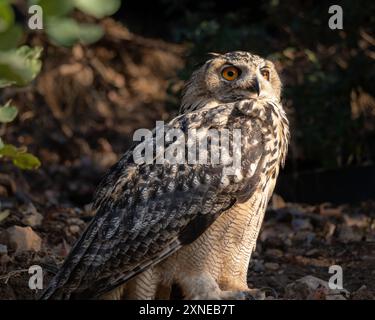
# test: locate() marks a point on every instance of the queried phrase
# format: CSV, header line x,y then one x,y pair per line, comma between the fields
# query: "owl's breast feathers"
x,y
145,212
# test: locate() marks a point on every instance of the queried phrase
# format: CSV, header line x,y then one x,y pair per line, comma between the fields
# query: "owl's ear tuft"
x,y
214,54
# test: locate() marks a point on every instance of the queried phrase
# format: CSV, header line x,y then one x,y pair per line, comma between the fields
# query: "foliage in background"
x,y
66,31
10,32
17,67
19,156
60,27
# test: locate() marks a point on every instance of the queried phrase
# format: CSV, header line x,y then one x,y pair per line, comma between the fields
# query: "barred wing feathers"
x,y
146,212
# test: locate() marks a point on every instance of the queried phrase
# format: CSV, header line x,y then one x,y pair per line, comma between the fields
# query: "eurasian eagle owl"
x,y
190,224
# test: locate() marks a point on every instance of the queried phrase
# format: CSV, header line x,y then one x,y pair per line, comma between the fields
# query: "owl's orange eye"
x,y
230,73
266,74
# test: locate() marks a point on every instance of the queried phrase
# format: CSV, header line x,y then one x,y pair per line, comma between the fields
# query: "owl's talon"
x,y
255,294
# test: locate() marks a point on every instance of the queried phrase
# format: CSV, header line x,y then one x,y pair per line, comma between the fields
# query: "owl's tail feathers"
x,y
54,293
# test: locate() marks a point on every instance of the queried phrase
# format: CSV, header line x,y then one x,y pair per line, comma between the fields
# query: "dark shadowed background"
x,y
328,78
78,115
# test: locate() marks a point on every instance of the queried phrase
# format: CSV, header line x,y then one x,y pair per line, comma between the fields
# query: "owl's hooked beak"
x,y
254,86
257,86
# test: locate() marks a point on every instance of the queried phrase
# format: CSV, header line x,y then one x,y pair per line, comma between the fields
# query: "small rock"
x,y
329,230
312,252
319,293
275,253
32,217
277,202
74,229
3,191
275,234
363,293
305,236
33,220
258,265
3,249
76,221
273,266
313,288
359,220
301,224
325,209
4,259
52,197
335,297
23,239
288,242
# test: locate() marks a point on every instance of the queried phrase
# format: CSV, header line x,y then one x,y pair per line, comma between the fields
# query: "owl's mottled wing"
x,y
145,212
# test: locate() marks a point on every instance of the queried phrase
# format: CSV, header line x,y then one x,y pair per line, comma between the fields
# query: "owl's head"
x,y
231,77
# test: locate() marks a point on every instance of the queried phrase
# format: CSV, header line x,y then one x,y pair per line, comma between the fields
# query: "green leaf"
x,y
311,56
31,56
8,113
26,161
9,151
289,53
1,144
19,66
4,214
20,157
52,8
10,38
66,32
90,33
98,8
6,15
4,83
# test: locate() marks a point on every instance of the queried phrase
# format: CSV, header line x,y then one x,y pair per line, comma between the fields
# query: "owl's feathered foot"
x,y
250,294
260,294
204,287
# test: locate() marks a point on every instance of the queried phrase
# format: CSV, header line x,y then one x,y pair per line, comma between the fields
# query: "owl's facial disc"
x,y
229,78
241,75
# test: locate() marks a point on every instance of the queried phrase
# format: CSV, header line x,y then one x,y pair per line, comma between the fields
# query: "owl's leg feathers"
x,y
237,283
203,286
115,294
142,287
200,286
